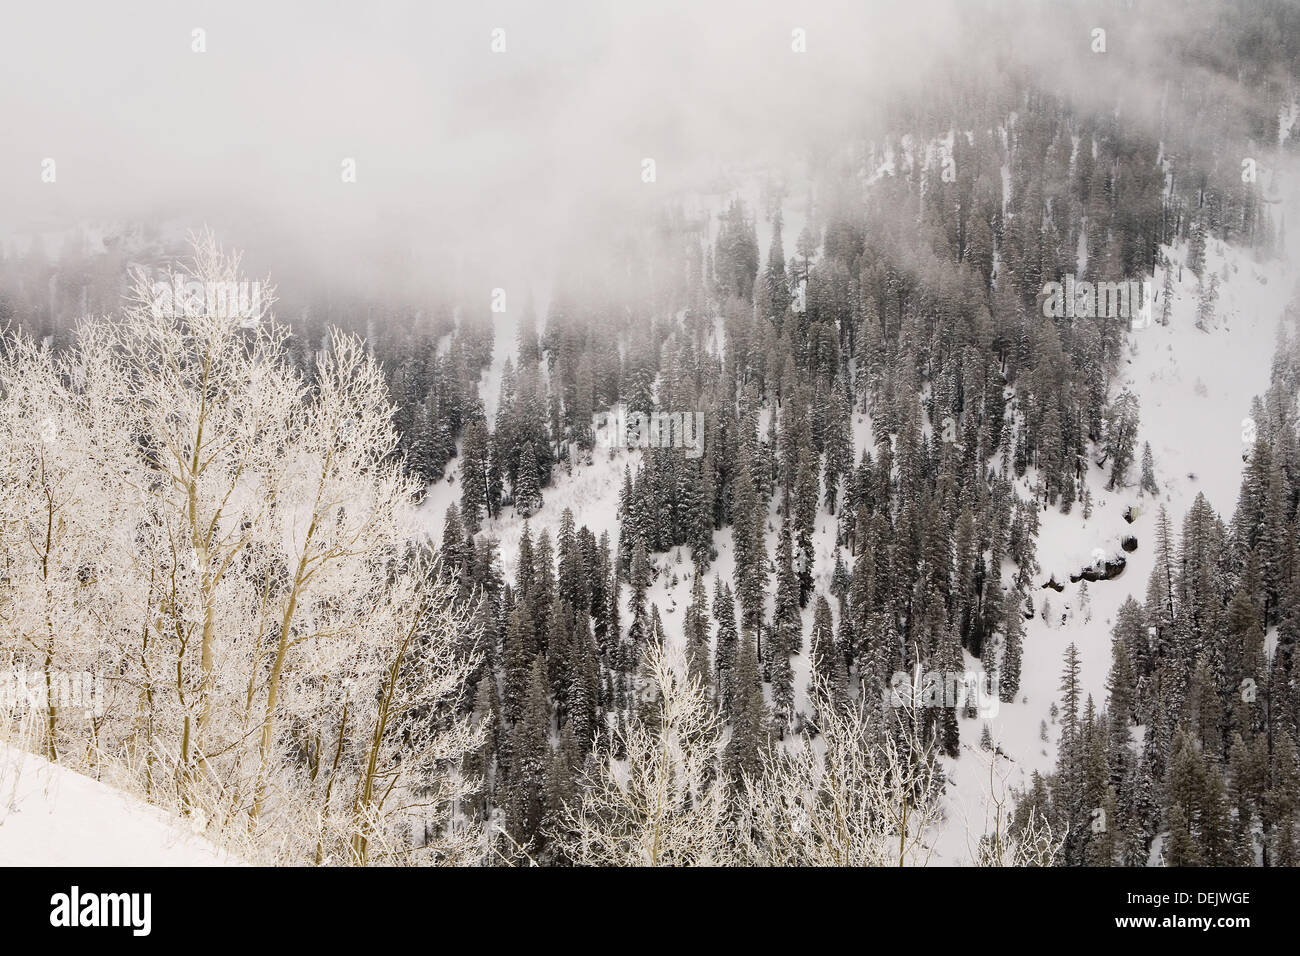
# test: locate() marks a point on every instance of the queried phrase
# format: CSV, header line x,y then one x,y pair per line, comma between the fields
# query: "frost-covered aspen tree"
x,y
286,513
1033,843
385,784
230,540
664,804
855,795
64,462
340,518
1010,836
218,409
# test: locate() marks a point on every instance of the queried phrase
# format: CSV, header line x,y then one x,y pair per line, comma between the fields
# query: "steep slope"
x,y
53,816
1195,389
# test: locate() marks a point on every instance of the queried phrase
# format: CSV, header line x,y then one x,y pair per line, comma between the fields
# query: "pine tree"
x,y
1121,435
949,661
838,453
561,790
1167,294
583,703
805,521
481,763
1282,829
473,475
1013,627
1180,847
518,654
1207,298
529,347
455,558
697,636
786,623
530,758
1196,247
639,579
1071,760
527,492
1148,471
827,660
749,518
571,583
727,646
778,292
1070,691
748,717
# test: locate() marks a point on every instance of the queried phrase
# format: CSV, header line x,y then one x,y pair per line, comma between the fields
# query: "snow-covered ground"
x,y
53,816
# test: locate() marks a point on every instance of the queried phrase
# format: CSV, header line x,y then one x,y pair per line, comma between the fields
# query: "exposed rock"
x,y
1102,571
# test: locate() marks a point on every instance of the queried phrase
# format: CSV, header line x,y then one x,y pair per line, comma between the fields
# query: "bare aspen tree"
x,y
1001,841
62,461
857,794
219,408
231,540
663,805
408,787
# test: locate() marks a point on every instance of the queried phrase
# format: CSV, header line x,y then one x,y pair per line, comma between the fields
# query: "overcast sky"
x,y
456,147
446,134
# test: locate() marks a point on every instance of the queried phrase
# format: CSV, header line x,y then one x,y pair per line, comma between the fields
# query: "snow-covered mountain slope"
x,y
1194,387
53,816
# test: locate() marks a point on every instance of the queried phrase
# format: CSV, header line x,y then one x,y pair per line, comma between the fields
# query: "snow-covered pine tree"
x,y
527,491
